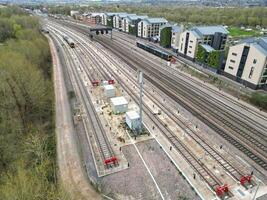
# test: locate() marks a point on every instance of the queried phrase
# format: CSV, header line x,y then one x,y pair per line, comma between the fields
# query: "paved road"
x,y
71,172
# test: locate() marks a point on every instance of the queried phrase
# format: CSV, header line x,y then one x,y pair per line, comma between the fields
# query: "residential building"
x,y
214,36
130,23
170,35
247,63
95,18
117,20
175,39
165,35
107,18
74,12
148,28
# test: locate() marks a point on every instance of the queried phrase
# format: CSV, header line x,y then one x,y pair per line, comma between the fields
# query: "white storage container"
x,y
109,91
104,82
119,104
132,120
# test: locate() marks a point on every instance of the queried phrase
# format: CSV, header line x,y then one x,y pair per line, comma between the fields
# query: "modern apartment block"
x,y
95,18
175,38
148,28
108,18
130,23
247,63
214,36
117,20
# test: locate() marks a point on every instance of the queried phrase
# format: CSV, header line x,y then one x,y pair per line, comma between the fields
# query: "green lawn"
x,y
235,32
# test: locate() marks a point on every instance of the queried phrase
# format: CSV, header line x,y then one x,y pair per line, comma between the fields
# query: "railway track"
x,y
205,109
131,40
209,178
234,138
228,167
206,174
225,106
98,131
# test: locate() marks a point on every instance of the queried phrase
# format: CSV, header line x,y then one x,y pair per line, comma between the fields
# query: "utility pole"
x,y
140,81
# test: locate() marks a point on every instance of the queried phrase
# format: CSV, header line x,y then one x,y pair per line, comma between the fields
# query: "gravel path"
x,y
136,183
71,173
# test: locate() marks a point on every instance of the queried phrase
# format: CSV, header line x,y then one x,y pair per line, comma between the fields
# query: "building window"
x,y
234,54
182,39
191,41
251,72
190,47
254,61
230,67
263,80
232,61
189,52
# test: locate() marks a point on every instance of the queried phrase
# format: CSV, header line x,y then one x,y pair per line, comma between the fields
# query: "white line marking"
x,y
188,180
145,165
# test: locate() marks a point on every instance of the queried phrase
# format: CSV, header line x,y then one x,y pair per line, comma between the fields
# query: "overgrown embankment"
x,y
27,139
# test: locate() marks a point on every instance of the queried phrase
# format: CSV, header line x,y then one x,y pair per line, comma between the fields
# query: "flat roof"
x,y
132,114
176,29
210,30
156,20
116,101
208,48
125,15
135,17
114,13
108,87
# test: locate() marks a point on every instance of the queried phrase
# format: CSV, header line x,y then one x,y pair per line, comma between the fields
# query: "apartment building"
x,y
175,38
130,23
247,63
170,36
107,18
117,20
150,27
95,18
214,36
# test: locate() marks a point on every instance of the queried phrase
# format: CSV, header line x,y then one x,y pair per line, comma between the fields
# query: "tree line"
x,y
237,16
27,139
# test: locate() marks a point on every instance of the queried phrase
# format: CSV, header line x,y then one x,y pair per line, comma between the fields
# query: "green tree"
x,y
165,37
201,54
214,59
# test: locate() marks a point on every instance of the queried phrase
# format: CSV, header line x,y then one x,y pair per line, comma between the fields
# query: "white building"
x,y
132,119
148,28
107,18
176,33
74,12
215,36
247,63
131,21
119,105
117,19
109,91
